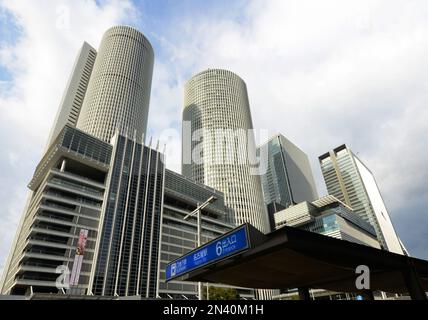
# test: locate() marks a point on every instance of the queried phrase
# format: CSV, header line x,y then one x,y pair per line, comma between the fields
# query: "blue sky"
x,y
9,32
322,73
159,17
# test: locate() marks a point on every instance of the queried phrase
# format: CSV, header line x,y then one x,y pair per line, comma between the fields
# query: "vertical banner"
x,y
78,258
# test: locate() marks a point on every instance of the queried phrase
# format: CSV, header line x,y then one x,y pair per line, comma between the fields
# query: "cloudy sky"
x,y
322,73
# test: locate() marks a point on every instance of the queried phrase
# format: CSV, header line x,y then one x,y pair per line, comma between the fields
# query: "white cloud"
x,y
330,72
39,62
165,112
321,72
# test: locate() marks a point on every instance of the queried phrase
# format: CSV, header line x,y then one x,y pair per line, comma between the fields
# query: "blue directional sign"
x,y
224,246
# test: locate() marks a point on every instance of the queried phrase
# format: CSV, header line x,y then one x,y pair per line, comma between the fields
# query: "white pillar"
x,y
64,162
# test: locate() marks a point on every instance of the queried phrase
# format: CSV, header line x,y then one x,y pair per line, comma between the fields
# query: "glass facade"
x,y
118,91
328,216
180,236
129,245
275,182
85,145
340,223
288,179
324,224
216,105
343,174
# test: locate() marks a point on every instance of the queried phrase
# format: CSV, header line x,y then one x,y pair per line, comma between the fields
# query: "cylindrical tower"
x,y
215,149
118,93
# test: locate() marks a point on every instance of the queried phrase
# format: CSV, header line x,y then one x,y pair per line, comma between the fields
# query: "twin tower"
x,y
97,187
110,90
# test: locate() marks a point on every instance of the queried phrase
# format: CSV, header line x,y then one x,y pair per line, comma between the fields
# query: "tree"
x,y
219,293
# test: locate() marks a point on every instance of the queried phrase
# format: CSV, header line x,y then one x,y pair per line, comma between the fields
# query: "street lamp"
x,y
198,212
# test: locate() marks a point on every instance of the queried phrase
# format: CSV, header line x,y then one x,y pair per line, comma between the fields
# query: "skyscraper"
x,y
288,179
349,180
74,93
96,196
118,92
217,108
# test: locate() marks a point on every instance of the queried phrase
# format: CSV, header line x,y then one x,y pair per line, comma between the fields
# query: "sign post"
x,y
231,243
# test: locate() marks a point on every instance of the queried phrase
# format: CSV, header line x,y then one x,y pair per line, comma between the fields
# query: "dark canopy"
x,y
293,258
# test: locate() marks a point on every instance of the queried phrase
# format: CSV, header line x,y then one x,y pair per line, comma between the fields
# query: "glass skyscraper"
x,y
97,192
349,180
288,179
118,91
215,103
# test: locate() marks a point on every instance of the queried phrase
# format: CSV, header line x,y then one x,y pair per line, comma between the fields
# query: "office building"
x,y
111,192
74,93
349,180
288,178
178,236
216,105
330,217
67,194
109,89
95,198
118,92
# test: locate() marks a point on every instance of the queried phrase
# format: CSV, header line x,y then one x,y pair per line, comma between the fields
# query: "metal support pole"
x,y
198,212
199,244
199,228
413,284
304,294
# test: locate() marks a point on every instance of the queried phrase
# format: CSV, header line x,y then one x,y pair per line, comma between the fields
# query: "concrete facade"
x,y
66,196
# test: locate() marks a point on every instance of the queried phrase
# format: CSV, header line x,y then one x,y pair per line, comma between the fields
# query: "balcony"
x,y
76,187
77,177
72,200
